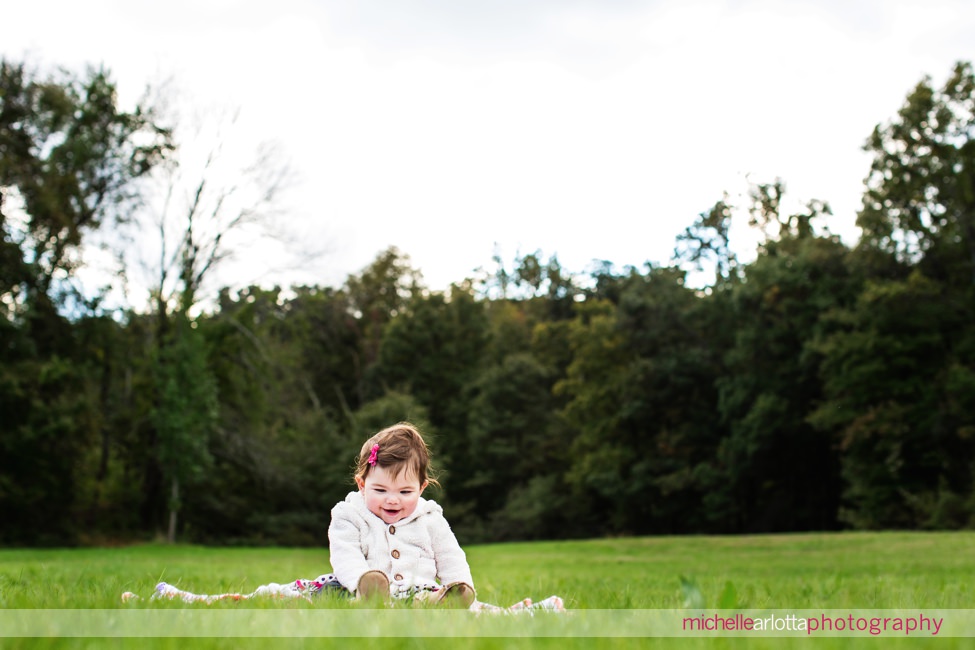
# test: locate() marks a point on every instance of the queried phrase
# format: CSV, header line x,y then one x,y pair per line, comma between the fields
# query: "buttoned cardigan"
x,y
415,553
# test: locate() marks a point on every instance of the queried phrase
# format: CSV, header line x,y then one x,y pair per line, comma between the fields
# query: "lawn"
x,y
857,571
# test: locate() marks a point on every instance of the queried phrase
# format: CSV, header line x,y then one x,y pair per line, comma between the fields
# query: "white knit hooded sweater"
x,y
416,552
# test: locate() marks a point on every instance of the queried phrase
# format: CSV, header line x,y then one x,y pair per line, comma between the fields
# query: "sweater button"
x,y
398,577
392,530
395,555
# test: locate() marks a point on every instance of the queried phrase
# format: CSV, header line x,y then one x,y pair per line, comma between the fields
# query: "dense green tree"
x,y
920,195
378,294
642,400
782,472
316,325
116,357
899,364
592,389
272,478
48,422
433,350
508,429
886,374
185,413
70,159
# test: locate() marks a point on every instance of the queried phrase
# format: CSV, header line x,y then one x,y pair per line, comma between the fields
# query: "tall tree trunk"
x,y
152,484
173,510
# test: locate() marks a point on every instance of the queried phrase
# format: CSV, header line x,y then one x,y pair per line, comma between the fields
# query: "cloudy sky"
x,y
589,129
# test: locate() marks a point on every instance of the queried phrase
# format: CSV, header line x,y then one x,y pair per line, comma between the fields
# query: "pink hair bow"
x,y
373,454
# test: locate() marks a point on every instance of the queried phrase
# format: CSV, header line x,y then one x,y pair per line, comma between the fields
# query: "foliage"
x,y
780,471
885,372
69,159
817,387
185,413
920,196
708,239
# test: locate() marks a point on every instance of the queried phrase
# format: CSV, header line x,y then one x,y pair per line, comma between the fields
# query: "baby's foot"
x,y
373,587
459,595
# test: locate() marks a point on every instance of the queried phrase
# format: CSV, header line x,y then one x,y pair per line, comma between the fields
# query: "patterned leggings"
x,y
329,584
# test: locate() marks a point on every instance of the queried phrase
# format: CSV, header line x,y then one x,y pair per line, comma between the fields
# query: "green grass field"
x,y
782,572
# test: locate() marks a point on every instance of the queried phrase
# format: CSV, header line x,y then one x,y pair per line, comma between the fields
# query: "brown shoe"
x,y
373,587
459,595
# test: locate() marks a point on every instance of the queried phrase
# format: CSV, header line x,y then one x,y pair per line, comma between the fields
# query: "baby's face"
x,y
390,498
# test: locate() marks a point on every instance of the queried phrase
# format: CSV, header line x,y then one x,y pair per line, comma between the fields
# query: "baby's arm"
x,y
345,548
450,557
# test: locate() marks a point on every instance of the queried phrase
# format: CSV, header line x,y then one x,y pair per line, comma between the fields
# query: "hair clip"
x,y
372,455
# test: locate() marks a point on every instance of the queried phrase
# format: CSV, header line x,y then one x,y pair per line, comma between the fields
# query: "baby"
x,y
385,539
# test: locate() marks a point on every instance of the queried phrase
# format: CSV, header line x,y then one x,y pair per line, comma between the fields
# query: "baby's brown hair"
x,y
397,448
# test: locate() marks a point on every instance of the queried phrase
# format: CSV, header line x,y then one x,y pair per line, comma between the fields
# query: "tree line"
x,y
821,386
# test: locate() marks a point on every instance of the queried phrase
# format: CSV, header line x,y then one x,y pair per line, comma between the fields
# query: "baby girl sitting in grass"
x,y
387,541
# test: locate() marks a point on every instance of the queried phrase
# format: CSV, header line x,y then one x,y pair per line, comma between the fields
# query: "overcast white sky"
x,y
590,129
